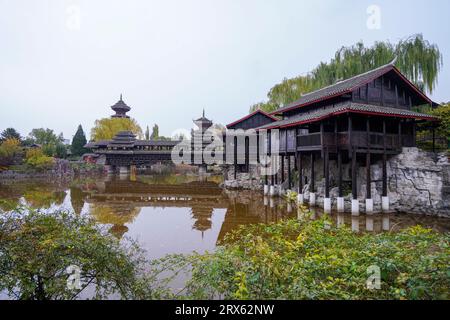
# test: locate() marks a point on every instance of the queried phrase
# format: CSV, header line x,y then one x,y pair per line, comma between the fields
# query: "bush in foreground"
x,y
37,250
313,260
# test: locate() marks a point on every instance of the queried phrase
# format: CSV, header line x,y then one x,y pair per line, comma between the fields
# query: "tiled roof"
x,y
93,145
345,107
251,115
343,87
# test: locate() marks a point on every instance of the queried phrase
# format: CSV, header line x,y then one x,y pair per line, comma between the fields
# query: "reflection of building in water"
x,y
117,214
202,215
246,207
122,195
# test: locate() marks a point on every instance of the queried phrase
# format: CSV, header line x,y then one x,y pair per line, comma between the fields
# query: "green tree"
x,y
147,134
417,59
44,136
61,151
78,142
155,132
37,248
443,113
10,133
36,158
9,148
107,128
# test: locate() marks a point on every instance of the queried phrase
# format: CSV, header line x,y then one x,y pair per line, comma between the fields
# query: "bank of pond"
x,y
174,237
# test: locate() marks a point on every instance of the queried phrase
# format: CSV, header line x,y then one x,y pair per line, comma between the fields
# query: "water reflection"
x,y
179,214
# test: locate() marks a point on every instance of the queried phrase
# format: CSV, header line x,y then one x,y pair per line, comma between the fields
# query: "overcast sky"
x,y
171,59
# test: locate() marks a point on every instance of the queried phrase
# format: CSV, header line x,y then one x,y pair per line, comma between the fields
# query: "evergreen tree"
x,y
78,142
147,134
10,133
155,132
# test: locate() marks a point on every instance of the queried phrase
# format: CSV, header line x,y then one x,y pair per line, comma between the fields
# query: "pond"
x,y
177,213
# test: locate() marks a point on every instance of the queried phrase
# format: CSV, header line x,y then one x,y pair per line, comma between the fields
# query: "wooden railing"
x,y
360,139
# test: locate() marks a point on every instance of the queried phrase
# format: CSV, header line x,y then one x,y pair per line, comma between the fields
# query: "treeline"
x,y
39,147
416,58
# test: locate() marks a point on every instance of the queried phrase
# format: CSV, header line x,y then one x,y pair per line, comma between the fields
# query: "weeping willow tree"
x,y
417,59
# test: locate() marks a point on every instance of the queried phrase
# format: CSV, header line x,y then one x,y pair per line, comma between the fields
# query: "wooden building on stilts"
x,y
355,122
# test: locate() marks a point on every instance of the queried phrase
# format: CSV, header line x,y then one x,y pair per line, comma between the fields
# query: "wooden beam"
x,y
300,173
368,177
327,173
289,172
321,137
384,161
235,157
354,175
339,156
367,93
396,95
312,184
350,130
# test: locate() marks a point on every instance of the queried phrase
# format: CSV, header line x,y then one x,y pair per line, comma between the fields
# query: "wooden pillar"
x,y
247,153
312,183
400,134
276,172
289,172
350,131
282,169
235,157
257,147
368,177
327,173
321,137
368,180
339,156
300,173
384,161
354,175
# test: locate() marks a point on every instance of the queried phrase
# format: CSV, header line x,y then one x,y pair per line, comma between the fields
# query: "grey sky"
x,y
171,59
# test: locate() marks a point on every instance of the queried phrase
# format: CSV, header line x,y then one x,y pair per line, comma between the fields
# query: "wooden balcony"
x,y
359,139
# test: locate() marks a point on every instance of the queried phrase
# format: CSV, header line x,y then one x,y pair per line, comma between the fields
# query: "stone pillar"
x,y
369,206
355,207
312,199
327,205
386,223
272,191
355,224
340,219
340,204
202,170
369,223
289,207
385,204
266,189
266,201
300,198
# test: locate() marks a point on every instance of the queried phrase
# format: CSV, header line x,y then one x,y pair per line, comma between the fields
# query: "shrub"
x,y
37,248
35,158
8,149
312,260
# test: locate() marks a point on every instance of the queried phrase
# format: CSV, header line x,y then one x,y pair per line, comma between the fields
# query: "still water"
x,y
179,214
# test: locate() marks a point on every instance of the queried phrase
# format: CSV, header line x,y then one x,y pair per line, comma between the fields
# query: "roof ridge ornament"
x,y
392,63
